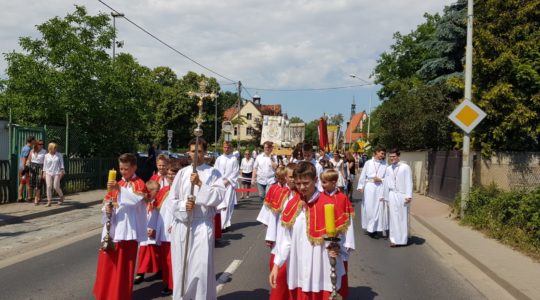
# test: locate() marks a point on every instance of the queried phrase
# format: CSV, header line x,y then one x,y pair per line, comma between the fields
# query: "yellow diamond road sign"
x,y
467,116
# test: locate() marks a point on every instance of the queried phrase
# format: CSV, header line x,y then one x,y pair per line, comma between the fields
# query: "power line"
x,y
244,88
167,45
309,89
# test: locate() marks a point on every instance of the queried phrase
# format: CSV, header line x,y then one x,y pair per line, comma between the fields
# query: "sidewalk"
x,y
18,212
516,273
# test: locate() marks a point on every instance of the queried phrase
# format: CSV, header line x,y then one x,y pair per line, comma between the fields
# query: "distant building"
x,y
252,112
353,133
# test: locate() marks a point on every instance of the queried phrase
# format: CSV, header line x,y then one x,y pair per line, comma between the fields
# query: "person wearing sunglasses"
x,y
36,159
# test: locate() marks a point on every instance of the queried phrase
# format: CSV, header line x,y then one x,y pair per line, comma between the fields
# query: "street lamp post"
x,y
115,15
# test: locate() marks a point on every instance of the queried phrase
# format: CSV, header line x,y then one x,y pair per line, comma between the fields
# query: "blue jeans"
x,y
262,188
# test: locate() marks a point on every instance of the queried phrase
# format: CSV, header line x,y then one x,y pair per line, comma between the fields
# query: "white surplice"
x,y
308,265
227,165
164,220
128,220
398,185
373,213
200,275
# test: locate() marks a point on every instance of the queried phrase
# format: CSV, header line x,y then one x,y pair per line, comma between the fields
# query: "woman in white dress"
x,y
246,167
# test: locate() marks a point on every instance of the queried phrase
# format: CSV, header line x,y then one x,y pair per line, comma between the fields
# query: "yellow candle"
x,y
329,220
112,175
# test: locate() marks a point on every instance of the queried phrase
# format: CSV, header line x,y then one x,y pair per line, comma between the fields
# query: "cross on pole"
x,y
198,132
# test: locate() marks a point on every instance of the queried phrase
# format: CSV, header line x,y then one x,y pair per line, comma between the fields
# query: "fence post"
x,y
100,169
13,177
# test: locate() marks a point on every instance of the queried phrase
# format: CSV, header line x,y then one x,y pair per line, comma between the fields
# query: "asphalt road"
x,y
375,270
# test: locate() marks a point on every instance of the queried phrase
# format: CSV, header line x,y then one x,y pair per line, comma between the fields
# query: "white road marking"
x,y
227,274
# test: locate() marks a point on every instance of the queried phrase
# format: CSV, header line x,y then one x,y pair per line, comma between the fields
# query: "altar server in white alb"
x,y
209,191
398,188
227,165
371,184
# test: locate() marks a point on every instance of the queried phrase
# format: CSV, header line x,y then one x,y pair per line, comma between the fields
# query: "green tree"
x,y
336,119
506,74
68,69
312,132
296,120
447,45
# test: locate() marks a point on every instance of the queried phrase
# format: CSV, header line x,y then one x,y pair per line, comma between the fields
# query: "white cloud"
x,y
276,44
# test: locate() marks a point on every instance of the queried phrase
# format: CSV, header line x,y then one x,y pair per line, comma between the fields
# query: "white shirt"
x,y
227,165
38,157
265,171
247,165
53,164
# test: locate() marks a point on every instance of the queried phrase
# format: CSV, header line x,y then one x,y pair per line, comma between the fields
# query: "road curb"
x,y
491,274
59,209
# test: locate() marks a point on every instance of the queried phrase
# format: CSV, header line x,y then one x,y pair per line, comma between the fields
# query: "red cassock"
x,y
166,264
149,261
274,200
165,247
217,227
116,268
281,292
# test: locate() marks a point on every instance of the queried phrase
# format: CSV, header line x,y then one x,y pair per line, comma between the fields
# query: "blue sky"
x,y
292,44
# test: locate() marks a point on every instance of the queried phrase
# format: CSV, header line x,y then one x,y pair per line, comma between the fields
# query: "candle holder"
x,y
108,243
333,277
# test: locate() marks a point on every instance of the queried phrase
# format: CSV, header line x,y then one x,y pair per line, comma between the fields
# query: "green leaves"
x,y
114,105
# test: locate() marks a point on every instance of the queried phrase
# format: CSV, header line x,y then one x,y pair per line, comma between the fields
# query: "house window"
x,y
248,116
249,131
235,130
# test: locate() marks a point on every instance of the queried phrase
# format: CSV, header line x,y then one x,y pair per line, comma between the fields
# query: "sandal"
x,y
61,200
48,204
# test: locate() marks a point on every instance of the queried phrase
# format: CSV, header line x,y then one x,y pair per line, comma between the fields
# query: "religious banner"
x,y
297,133
323,134
332,131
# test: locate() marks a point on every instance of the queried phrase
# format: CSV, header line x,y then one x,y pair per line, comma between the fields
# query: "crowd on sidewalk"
x,y
38,167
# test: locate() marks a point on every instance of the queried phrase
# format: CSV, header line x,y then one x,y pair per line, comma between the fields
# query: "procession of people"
x,y
169,226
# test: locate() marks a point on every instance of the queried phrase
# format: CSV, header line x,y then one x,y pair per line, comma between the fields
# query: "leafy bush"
x,y
512,217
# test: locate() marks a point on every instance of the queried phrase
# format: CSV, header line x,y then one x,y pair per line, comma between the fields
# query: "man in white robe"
x,y
209,192
370,184
398,189
307,153
227,165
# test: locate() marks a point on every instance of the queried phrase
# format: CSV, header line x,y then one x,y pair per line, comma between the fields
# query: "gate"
x,y
444,175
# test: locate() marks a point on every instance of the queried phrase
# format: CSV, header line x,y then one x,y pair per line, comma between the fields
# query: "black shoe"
x,y
166,292
373,235
138,279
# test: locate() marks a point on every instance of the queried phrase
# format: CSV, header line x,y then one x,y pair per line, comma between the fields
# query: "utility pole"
x,y
369,118
67,135
239,120
466,169
115,15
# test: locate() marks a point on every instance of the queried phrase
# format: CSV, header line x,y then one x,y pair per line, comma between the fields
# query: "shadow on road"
x,y
255,294
149,292
361,292
238,226
415,240
11,234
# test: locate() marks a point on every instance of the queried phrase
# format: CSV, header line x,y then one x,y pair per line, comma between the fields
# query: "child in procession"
x,y
302,246
126,202
149,249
